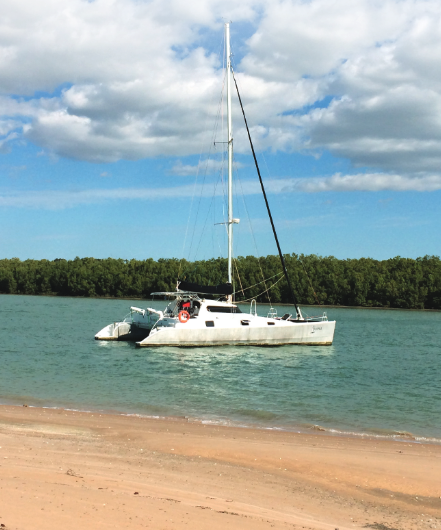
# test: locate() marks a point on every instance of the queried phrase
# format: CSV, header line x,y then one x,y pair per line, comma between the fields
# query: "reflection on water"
x,y
380,376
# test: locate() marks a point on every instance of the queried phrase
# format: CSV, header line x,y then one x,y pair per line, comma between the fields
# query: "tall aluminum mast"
x,y
230,157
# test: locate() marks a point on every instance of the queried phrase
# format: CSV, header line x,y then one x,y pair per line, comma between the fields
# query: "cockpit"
x,y
191,306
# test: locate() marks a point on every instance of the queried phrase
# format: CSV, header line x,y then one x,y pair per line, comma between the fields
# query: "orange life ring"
x,y
184,316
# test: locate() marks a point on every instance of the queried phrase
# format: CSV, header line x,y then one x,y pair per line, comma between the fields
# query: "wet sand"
x,y
70,470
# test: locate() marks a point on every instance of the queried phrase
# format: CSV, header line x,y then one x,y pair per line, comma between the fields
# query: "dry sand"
x,y
71,470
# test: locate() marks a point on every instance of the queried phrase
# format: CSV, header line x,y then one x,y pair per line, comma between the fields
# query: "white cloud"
x,y
378,61
62,199
397,128
297,39
6,126
366,182
137,79
400,222
59,200
141,79
387,113
204,167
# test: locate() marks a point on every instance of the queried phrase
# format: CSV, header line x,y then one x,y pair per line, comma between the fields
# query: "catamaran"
x,y
200,315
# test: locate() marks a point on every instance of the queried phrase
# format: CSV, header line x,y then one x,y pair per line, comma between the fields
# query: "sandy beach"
x,y
70,470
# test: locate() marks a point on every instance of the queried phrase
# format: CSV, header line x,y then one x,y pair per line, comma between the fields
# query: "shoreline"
x,y
381,434
54,295
69,469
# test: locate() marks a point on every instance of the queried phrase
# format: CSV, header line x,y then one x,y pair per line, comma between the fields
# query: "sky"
x,y
112,123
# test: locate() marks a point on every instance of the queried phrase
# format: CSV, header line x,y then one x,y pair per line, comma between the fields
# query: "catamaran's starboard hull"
x,y
308,333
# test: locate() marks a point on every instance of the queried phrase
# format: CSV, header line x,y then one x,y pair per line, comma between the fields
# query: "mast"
x,y
230,156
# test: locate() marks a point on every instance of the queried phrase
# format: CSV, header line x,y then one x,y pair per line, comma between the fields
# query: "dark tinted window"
x,y
222,309
209,323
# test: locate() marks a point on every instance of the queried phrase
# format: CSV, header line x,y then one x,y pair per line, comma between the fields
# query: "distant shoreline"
x,y
319,281
52,295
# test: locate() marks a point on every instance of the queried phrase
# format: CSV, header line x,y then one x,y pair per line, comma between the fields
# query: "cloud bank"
x,y
107,80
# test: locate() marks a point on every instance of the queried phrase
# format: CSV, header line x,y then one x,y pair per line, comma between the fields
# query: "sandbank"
x,y
70,470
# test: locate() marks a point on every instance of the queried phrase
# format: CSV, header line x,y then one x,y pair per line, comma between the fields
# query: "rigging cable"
x,y
299,258
263,292
264,282
238,275
259,258
294,299
238,179
204,177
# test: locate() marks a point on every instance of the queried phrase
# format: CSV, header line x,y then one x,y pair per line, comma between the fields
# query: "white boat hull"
x,y
185,335
124,331
113,331
135,327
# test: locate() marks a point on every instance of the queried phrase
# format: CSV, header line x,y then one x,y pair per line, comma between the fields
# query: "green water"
x,y
381,377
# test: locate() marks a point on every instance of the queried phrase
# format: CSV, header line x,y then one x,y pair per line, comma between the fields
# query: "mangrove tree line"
x,y
396,282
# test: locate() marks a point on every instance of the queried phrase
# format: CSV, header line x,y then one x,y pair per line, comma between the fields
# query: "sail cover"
x,y
223,289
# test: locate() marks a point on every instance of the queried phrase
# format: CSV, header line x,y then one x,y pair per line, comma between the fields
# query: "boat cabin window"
x,y
171,309
223,309
209,323
271,323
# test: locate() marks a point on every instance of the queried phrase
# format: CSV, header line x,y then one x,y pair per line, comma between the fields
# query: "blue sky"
x,y
108,111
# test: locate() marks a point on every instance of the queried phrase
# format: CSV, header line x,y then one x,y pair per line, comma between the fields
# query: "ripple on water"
x,y
380,378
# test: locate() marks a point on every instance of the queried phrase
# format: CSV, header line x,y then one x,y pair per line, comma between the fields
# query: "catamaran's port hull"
x,y
123,331
308,334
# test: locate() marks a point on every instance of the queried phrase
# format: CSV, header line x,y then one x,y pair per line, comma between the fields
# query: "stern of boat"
x,y
114,331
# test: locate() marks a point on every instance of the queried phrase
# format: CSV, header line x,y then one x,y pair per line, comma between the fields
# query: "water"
x,y
381,377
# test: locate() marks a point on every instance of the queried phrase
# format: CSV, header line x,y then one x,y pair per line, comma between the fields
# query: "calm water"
x,y
382,375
